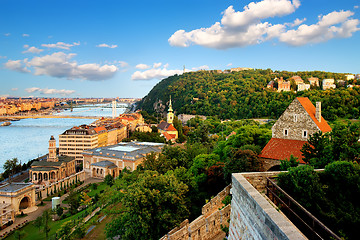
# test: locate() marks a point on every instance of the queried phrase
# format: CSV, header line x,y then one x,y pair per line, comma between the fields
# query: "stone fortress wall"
x,y
208,225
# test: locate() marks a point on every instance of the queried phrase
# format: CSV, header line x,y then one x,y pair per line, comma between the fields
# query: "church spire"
x,y
170,115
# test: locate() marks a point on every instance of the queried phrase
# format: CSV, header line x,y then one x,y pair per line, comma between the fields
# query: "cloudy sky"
x,y
123,48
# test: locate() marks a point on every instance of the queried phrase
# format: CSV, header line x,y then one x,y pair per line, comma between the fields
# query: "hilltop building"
x,y
283,85
102,161
349,77
291,131
303,87
54,168
328,83
297,79
314,81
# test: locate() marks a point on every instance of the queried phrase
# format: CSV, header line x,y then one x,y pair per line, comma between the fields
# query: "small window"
x,y
305,134
295,118
286,132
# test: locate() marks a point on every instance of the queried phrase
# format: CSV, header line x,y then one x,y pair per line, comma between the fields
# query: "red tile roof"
x,y
311,110
99,129
171,128
168,136
280,149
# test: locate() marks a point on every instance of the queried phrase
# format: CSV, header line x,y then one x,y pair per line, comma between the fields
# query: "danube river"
x,y
28,138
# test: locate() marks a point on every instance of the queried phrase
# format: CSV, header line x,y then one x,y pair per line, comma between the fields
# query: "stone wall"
x,y
208,225
295,120
45,190
252,215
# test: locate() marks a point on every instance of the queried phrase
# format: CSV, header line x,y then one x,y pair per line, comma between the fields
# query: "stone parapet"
x,y
252,216
208,225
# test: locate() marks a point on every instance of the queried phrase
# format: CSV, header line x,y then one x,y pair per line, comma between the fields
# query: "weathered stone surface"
x,y
295,120
208,225
252,216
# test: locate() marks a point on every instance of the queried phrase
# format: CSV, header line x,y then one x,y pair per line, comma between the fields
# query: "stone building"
x,y
15,198
291,131
283,85
54,168
328,83
100,162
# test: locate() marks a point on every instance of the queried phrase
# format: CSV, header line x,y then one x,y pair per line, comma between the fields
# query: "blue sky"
x,y
123,48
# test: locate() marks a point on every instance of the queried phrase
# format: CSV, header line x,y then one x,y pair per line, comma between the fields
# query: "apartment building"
x,y
77,139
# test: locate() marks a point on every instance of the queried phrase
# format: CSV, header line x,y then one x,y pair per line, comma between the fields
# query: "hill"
x,y
240,95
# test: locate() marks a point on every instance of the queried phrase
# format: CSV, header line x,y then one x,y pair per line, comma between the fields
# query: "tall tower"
x,y
52,150
170,115
114,109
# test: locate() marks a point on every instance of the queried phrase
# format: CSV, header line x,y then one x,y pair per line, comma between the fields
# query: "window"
x,y
305,134
295,118
286,132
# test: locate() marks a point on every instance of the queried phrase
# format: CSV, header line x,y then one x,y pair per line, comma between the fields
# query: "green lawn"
x,y
33,233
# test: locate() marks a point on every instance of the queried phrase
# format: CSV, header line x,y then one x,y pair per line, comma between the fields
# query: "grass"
x,y
33,233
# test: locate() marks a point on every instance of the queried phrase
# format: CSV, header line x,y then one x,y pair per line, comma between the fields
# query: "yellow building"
x,y
54,168
102,136
100,162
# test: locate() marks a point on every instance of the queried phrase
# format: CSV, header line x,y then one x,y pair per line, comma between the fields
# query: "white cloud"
x,y
47,91
155,73
14,89
157,65
60,65
297,22
3,57
32,49
107,46
332,25
142,66
203,67
7,34
123,64
356,7
25,35
244,28
61,45
229,64
17,66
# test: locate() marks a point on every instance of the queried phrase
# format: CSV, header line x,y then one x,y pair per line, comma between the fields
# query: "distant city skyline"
x,y
124,48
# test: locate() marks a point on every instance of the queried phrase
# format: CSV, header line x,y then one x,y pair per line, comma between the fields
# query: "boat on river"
x,y
6,124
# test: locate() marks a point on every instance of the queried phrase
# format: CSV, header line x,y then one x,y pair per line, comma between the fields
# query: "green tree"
x,y
288,163
74,202
109,180
10,165
317,151
241,161
46,218
153,204
59,211
65,230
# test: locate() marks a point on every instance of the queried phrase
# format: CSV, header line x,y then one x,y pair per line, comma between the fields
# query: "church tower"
x,y
170,115
52,150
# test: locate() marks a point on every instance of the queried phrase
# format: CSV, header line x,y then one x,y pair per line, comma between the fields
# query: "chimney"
x,y
318,111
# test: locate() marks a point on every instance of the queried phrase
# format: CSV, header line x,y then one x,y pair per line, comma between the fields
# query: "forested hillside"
x,y
240,95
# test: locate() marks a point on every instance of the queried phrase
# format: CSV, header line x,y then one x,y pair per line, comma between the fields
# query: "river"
x,y
28,138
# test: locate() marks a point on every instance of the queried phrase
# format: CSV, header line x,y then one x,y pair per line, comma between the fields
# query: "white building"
x,y
349,77
328,83
303,86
